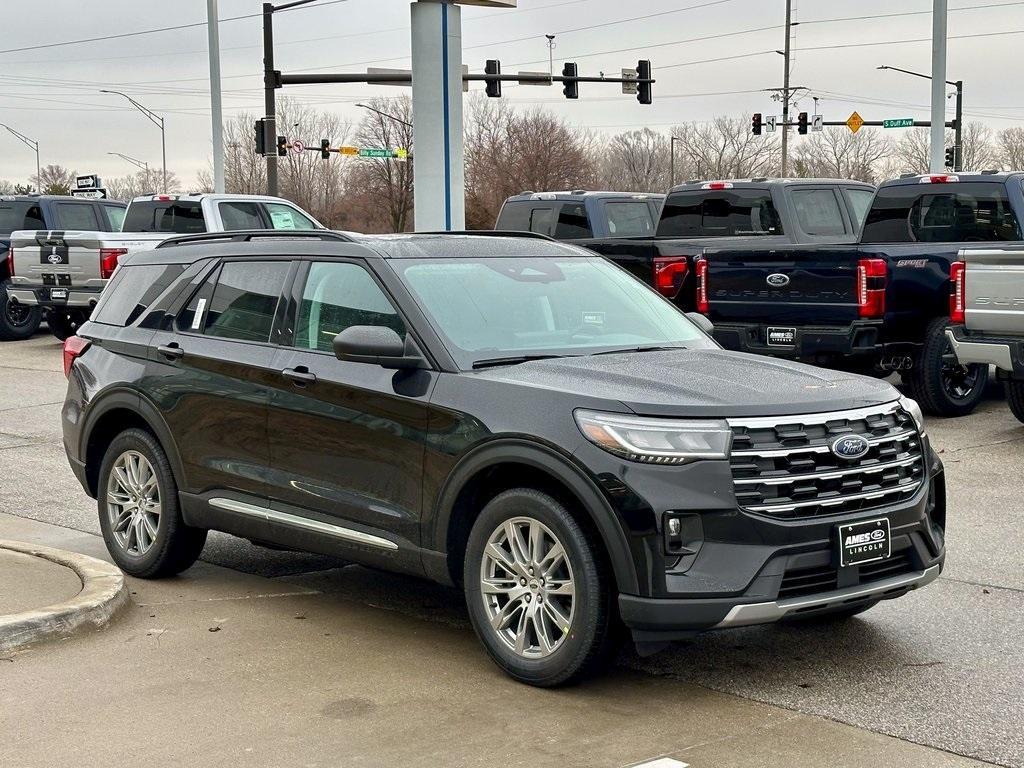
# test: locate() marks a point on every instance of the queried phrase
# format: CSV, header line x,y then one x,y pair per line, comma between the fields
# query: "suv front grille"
x,y
785,467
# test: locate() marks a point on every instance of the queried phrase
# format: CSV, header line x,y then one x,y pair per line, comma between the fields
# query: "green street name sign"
x,y
899,122
371,152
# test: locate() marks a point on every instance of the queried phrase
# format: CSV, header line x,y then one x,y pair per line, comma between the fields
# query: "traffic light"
x,y
756,123
282,146
325,148
494,87
261,137
643,89
950,157
571,88
801,124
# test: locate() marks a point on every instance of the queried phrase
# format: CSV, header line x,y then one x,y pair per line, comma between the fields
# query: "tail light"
x,y
74,346
871,287
703,304
10,261
957,293
716,185
108,260
939,178
669,274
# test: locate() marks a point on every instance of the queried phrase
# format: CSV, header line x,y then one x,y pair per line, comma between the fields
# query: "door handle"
x,y
299,376
171,351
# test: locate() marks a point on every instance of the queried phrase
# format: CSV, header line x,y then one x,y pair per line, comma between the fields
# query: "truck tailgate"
x,y
55,257
799,285
994,290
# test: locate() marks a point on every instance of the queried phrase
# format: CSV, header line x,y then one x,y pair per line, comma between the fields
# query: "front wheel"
x,y
1015,398
939,382
537,596
17,321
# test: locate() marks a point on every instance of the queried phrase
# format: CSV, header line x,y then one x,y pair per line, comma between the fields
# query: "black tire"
x,y
834,615
63,324
17,321
592,637
1015,398
176,546
939,382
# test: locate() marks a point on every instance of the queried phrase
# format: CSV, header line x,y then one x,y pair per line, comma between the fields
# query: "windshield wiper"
x,y
653,348
515,360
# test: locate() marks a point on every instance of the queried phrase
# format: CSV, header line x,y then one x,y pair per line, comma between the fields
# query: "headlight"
x,y
910,406
656,441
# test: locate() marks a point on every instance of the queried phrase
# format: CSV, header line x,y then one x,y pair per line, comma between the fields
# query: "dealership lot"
x,y
943,667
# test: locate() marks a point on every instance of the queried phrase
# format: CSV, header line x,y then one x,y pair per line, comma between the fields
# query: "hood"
x,y
700,382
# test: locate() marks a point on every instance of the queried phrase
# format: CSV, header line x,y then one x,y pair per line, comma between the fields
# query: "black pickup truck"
x,y
50,212
879,306
660,242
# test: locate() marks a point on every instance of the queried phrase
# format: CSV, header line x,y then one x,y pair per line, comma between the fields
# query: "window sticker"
x,y
197,319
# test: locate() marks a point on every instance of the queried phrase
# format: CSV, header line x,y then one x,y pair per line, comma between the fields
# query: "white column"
x,y
438,157
938,132
215,101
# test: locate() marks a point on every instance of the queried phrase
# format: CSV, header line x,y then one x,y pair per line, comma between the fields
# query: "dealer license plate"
x,y
781,337
864,542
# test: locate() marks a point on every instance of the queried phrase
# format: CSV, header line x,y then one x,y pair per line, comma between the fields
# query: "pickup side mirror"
x,y
701,321
376,345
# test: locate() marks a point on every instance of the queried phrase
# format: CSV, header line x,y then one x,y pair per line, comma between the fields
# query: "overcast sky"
x,y
51,93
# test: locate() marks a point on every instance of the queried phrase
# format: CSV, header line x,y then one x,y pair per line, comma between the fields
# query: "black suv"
x,y
510,414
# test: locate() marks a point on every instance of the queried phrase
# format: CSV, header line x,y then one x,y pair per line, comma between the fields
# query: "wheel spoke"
x,y
516,544
121,477
500,586
557,617
540,629
521,630
536,542
149,526
124,519
560,587
552,559
501,557
503,617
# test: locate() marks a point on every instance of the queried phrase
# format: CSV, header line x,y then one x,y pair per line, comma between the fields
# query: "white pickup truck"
x,y
63,272
987,310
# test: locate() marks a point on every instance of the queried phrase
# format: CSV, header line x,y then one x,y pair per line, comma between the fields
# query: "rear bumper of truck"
x,y
43,296
862,338
1005,353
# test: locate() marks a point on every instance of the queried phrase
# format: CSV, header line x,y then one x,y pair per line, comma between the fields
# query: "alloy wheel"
x,y
16,314
527,586
133,503
958,380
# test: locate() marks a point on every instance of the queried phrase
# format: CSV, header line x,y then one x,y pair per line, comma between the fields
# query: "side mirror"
x,y
376,345
702,321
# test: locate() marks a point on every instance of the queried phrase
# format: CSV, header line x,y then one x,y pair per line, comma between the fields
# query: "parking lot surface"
x,y
943,667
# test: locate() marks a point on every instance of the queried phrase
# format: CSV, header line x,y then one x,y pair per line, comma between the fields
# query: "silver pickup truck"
x,y
63,272
987,310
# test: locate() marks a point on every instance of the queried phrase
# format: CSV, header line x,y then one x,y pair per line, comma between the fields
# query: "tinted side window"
x,y
20,215
629,219
77,216
860,204
937,213
131,290
818,211
115,216
338,296
238,215
244,301
180,218
573,222
720,213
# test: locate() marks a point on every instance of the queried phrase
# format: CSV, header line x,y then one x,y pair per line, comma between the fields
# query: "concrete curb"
x,y
103,594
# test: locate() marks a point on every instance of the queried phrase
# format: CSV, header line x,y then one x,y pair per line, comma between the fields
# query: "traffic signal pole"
x,y
270,98
958,153
785,90
938,137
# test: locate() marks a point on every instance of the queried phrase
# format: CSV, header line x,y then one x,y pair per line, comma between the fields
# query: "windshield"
x,y
720,213
491,308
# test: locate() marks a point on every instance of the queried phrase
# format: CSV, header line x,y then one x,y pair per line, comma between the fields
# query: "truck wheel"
x,y
538,598
139,512
17,321
63,324
939,382
1015,398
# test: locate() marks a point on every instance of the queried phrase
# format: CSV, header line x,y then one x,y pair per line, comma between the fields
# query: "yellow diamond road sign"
x,y
854,122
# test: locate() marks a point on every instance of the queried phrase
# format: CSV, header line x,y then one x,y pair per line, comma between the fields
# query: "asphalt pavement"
x,y
942,667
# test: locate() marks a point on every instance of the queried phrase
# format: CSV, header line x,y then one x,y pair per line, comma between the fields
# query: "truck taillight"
x,y
74,346
957,292
703,304
871,287
108,260
669,274
10,261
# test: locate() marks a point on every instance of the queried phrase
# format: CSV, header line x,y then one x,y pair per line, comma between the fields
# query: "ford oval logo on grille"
x,y
54,258
850,447
778,280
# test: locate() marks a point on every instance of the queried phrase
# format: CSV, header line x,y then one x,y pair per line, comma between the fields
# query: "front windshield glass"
x,y
509,307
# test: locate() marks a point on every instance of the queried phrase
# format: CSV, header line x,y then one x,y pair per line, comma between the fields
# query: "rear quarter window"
x,y
818,212
629,219
572,223
131,291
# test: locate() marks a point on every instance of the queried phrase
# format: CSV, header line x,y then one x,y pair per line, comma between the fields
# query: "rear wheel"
x,y
64,324
940,383
17,321
1015,398
537,595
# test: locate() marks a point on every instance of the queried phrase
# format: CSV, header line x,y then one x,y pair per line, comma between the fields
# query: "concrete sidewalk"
x,y
353,667
31,582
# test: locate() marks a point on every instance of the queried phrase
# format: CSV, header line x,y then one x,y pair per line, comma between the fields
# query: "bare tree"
x,y
637,161
841,154
380,191
1011,149
725,148
912,152
141,183
54,180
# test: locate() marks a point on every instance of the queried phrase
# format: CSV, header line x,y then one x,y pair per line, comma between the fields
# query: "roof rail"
x,y
493,233
246,236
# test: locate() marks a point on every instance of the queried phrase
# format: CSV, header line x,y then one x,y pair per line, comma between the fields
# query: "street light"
x,y
385,114
958,149
157,121
142,165
32,145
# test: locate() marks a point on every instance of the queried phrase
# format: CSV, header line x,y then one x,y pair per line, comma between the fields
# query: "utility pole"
x,y
213,34
938,137
785,89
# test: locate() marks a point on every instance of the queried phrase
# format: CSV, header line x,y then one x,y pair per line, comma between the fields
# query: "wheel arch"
x,y
505,464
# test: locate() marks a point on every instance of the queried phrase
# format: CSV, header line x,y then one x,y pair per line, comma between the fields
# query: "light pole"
x,y
142,165
385,114
32,144
958,148
157,121
672,159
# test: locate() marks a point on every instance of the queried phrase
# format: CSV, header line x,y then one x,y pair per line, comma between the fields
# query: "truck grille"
x,y
785,467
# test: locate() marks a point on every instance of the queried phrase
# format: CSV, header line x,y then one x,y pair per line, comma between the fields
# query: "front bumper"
x,y
1006,354
861,338
42,296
